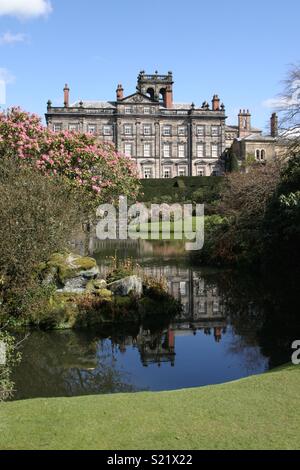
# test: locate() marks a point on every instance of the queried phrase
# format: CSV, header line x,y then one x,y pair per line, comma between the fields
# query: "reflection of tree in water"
x,y
263,311
67,363
248,353
104,377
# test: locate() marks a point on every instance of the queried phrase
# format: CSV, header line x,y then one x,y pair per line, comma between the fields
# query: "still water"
x,y
231,326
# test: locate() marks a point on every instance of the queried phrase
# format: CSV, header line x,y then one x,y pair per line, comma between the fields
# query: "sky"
x,y
239,50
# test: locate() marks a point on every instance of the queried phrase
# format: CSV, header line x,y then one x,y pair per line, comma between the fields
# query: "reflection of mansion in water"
x,y
203,312
200,302
202,307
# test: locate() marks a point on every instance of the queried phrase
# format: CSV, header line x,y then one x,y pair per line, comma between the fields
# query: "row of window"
x,y
167,131
91,128
201,131
182,171
168,151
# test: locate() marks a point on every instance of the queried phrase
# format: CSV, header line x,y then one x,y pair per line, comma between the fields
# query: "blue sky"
x,y
239,50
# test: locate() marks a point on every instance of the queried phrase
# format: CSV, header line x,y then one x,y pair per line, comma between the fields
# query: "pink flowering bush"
x,y
90,166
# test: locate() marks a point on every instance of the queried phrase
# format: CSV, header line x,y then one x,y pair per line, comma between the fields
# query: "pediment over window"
x,y
137,98
147,162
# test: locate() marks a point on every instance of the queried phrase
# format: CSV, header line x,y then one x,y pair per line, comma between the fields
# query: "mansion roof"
x,y
257,137
94,104
113,104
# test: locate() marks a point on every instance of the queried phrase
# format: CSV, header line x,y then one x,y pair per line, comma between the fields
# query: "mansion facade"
x,y
166,139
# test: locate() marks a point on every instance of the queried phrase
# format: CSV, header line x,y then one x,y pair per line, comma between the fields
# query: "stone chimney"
x,y
244,123
66,96
216,103
120,92
169,97
274,125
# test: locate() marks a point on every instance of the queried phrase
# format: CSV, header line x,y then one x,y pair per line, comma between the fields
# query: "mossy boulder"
x,y
70,272
126,286
96,285
104,293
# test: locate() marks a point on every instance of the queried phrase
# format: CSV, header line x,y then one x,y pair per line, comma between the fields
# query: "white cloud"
x,y
25,8
6,76
9,38
276,103
283,102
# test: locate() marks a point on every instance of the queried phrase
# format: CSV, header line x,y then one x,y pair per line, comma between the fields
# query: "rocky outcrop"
x,y
126,286
70,272
83,299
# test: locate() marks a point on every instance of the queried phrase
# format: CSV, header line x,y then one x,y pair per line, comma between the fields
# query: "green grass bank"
x,y
260,412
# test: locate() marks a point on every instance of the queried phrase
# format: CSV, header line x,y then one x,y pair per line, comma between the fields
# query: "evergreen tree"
x,y
233,163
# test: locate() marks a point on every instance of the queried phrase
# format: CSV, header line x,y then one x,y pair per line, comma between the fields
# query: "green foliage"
x,y
12,358
215,226
250,161
282,220
180,189
233,163
155,288
121,269
38,216
261,222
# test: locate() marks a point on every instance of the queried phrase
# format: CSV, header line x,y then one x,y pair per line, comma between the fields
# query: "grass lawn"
x,y
260,412
166,227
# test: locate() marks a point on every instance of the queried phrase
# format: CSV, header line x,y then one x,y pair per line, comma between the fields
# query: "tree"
x,y
90,167
231,162
288,107
282,220
244,202
12,357
38,215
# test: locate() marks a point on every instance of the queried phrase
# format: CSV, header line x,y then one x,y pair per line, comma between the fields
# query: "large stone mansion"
x,y
166,139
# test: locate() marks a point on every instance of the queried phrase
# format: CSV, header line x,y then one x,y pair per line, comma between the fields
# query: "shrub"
x,y
38,216
12,358
155,288
122,269
92,168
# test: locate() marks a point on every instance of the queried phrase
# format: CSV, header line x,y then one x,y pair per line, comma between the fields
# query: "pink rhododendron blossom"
x,y
86,163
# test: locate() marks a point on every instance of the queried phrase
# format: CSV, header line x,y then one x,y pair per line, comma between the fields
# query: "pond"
x,y
231,326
